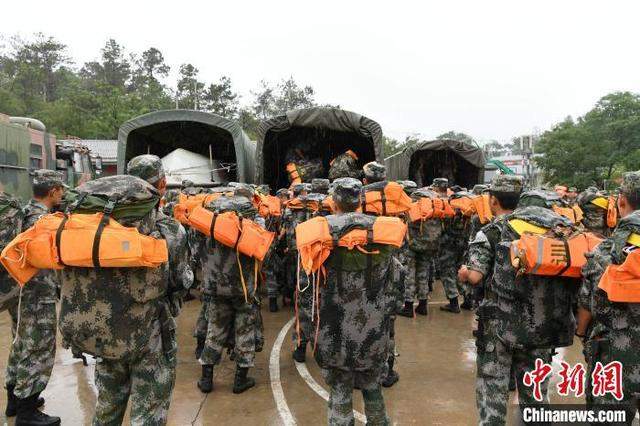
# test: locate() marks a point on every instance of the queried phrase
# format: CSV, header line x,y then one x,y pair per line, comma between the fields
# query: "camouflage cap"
x,y
631,184
586,197
346,191
374,172
148,167
264,189
243,190
49,178
320,186
282,192
512,184
408,185
298,188
186,183
441,183
479,189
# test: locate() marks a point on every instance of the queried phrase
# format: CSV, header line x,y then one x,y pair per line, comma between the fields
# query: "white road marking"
x,y
274,372
304,373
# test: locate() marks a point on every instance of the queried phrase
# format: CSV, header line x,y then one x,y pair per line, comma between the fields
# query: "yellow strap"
x,y
634,239
601,202
522,226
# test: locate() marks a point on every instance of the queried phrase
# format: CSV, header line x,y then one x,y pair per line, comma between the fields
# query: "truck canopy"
x,y
463,164
324,132
163,132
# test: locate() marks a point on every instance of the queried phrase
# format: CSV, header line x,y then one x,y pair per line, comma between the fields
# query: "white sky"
x,y
493,69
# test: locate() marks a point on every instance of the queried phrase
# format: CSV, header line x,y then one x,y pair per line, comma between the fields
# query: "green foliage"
x,y
595,148
458,136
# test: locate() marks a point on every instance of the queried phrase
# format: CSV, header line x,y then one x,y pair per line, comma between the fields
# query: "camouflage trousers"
x,y
201,323
392,336
341,384
147,379
418,265
618,346
226,315
494,364
33,353
273,286
304,329
449,260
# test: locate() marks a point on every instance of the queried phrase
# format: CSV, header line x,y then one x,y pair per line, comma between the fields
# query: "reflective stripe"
x,y
539,256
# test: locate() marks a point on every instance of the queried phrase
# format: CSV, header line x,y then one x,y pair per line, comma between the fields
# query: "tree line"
x,y
39,79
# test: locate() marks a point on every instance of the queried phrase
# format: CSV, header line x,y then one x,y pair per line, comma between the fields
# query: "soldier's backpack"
x,y
536,311
106,311
426,214
10,225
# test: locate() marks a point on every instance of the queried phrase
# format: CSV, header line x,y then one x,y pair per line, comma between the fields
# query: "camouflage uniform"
x,y
595,217
520,319
353,341
451,253
615,329
229,288
345,165
125,316
10,226
33,351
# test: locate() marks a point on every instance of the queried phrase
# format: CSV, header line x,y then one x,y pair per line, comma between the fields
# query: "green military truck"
x,y
26,145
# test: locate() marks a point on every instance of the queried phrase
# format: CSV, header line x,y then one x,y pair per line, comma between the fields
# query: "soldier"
x,y
345,165
133,310
230,287
611,328
353,354
34,347
595,215
522,317
451,251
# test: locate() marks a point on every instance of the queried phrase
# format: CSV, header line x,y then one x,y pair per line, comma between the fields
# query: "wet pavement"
x,y
436,366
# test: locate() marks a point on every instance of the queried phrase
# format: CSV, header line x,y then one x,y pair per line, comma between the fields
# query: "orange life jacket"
x,y
268,205
55,241
464,205
313,206
390,201
622,282
294,175
538,254
574,213
612,212
187,203
315,242
426,208
483,209
328,204
230,230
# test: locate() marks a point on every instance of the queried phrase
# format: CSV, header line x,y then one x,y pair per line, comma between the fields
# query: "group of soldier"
x,y
346,319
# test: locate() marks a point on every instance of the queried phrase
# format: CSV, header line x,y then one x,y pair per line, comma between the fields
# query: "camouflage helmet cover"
x,y
148,167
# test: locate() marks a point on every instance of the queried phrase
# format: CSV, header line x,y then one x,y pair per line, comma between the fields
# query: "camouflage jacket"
x,y
595,219
354,325
534,311
291,219
226,272
344,166
610,317
110,312
10,226
45,282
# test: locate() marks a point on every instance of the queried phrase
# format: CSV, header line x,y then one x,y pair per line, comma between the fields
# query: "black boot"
x,y
300,354
422,307
273,304
12,402
205,384
407,311
468,303
242,382
29,415
199,346
452,307
392,376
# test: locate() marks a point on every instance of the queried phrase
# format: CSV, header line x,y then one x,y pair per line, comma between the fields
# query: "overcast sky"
x,y
493,69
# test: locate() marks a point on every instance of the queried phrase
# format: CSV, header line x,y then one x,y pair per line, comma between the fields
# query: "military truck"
x,y
204,148
462,163
319,134
26,145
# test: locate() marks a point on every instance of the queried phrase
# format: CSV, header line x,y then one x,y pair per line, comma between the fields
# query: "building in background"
x,y
105,150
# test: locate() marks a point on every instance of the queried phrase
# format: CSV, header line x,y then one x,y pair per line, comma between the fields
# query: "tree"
x,y
263,105
458,136
113,69
495,149
595,148
220,98
190,89
291,96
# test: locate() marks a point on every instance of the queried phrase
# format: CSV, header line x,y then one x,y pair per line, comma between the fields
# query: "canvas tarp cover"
x,y
329,119
192,130
398,165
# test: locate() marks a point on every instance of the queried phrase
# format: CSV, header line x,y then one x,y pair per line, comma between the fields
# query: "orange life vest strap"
x,y
622,282
612,213
294,174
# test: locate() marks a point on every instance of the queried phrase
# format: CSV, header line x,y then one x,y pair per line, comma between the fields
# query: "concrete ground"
x,y
436,366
